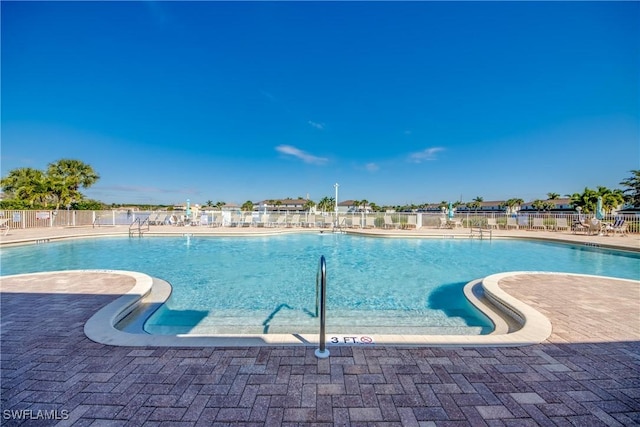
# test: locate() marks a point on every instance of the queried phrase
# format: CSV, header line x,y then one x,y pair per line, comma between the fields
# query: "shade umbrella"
x,y
450,210
188,208
599,210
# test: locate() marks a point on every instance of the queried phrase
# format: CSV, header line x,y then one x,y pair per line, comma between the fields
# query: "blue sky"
x,y
398,102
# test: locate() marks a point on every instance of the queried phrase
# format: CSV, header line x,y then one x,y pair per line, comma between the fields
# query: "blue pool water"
x,y
267,284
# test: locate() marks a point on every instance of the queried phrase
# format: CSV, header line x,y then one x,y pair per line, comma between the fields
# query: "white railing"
x,y
23,219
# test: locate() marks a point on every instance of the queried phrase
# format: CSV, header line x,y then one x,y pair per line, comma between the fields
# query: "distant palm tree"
x,y
308,205
28,184
611,199
542,205
247,206
553,196
363,204
326,204
632,193
66,176
209,203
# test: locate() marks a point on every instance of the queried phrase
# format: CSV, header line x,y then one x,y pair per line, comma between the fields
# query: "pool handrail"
x,y
321,297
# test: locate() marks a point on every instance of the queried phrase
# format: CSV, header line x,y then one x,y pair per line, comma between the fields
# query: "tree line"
x,y
60,183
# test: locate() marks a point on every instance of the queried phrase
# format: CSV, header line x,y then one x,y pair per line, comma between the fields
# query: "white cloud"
x,y
319,126
371,167
302,155
425,155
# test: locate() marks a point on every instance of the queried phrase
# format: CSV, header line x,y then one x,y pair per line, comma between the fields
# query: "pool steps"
x,y
517,324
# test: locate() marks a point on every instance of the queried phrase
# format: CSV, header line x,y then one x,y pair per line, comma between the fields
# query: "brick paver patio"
x,y
586,374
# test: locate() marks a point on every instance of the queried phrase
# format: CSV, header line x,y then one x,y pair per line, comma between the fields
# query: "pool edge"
x,y
535,327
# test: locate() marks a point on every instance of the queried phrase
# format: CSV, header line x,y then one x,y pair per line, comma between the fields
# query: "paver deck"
x,y
586,373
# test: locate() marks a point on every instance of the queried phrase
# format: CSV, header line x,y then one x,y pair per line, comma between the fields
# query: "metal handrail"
x,y
139,228
321,296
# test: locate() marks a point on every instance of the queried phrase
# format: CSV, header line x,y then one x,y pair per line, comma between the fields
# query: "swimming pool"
x,y
267,284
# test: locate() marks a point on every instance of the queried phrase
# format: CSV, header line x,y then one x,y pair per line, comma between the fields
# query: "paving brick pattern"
x,y
48,365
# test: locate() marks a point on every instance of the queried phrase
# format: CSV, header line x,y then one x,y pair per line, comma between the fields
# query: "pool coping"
x,y
535,327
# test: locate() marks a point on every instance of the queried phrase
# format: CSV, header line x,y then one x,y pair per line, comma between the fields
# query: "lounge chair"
x,y
264,221
538,223
618,226
153,218
293,221
561,223
327,221
355,222
579,225
176,220
4,226
388,222
492,223
411,222
248,220
370,222
444,223
511,222
311,221
455,223
216,221
595,226
204,220
281,221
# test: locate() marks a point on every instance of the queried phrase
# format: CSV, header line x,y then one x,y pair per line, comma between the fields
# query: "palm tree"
x,y
326,204
363,204
586,201
632,193
611,199
512,203
553,196
26,184
219,205
542,205
247,206
308,205
66,176
209,203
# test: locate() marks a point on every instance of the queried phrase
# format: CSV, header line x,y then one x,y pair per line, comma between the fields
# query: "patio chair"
x,y
311,221
492,223
248,220
388,222
281,221
153,218
455,223
511,222
370,222
538,223
561,224
412,222
618,226
355,222
294,221
595,226
579,225
216,221
4,226
444,223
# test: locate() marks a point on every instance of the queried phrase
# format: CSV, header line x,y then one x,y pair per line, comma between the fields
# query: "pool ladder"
x,y
321,297
138,227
